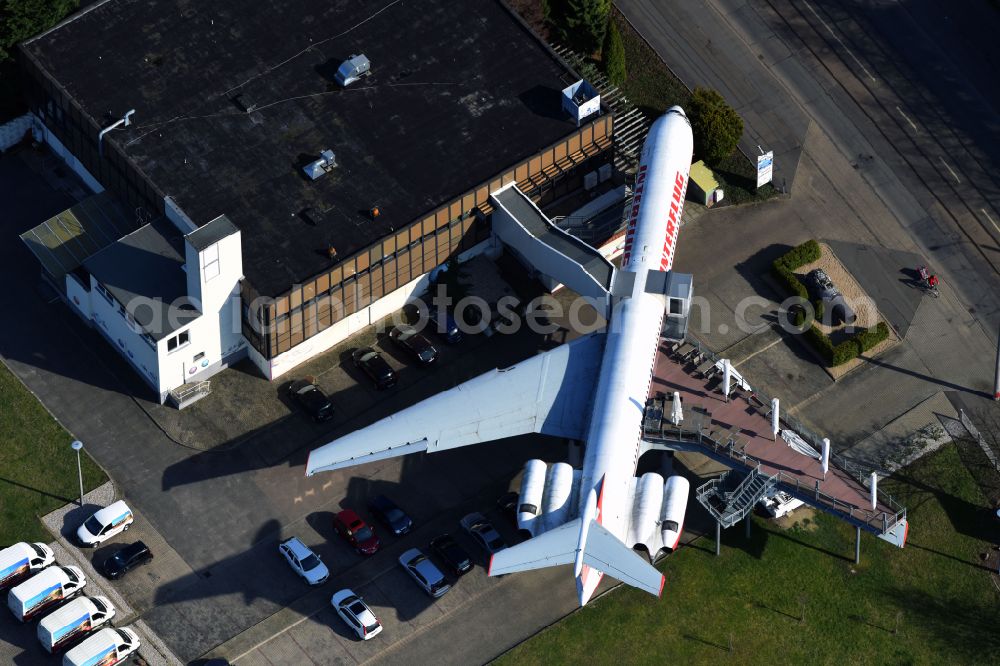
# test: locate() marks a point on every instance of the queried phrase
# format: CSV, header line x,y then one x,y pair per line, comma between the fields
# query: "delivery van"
x,y
22,560
44,590
104,524
80,618
105,648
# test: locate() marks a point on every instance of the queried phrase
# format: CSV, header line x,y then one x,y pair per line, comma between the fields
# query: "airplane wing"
x,y
549,549
550,393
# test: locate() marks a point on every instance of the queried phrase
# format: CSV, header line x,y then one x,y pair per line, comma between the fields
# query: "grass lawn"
x,y
753,595
37,465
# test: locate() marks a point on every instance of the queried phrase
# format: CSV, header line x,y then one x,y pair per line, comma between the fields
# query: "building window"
x,y
178,341
199,356
210,262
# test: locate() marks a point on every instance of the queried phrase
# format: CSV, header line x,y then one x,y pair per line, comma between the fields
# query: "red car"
x,y
356,532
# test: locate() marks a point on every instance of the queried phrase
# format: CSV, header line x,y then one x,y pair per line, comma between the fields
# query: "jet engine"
x,y
549,496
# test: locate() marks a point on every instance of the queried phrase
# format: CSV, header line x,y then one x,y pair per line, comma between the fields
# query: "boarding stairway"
x,y
730,497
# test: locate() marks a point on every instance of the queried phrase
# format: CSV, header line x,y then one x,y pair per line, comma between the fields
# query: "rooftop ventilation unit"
x,y
327,162
581,100
353,69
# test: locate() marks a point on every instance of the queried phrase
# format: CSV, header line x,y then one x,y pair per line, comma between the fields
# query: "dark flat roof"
x,y
211,233
146,265
458,92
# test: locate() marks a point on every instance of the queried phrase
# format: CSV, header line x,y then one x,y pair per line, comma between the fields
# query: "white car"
x,y
104,524
356,614
303,561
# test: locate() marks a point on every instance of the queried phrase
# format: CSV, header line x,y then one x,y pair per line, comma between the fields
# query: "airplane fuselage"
x,y
634,331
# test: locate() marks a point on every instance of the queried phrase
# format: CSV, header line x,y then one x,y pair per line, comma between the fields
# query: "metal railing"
x,y
880,521
188,393
787,421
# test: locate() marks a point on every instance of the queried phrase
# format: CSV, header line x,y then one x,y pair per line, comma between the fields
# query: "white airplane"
x,y
591,518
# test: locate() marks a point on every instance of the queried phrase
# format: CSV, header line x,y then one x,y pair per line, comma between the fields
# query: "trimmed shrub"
x,y
821,343
870,337
800,255
844,352
613,55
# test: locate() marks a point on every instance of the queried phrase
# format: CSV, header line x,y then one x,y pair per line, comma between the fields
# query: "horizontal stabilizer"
x,y
550,549
606,553
603,551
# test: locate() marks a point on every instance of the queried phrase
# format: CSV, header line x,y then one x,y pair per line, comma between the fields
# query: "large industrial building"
x,y
250,204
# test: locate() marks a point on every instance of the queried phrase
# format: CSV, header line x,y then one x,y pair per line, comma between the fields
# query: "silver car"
x,y
425,572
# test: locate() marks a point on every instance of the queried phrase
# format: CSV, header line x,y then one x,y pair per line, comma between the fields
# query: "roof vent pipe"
x,y
126,120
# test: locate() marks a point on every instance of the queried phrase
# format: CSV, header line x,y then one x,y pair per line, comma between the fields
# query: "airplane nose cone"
x,y
677,109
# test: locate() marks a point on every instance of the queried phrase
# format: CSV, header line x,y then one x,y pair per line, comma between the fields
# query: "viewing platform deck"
x,y
737,433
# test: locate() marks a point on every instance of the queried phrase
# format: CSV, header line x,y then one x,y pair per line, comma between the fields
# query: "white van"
x,y
104,524
74,622
44,590
105,648
22,560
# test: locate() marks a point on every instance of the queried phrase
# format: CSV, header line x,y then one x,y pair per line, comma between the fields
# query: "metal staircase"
x,y
730,498
630,127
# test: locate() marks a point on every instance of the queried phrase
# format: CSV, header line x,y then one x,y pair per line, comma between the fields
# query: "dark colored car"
x,y
507,503
311,399
391,515
373,365
356,532
821,288
455,559
444,324
126,559
419,347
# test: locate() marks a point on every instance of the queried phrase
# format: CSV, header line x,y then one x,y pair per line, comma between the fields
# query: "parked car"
x,y
415,344
356,532
303,561
507,503
483,532
313,401
821,288
425,572
104,524
444,324
376,367
125,559
391,515
356,613
455,559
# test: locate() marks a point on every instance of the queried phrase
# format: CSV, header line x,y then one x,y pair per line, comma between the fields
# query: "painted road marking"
x,y
990,219
842,45
953,174
906,118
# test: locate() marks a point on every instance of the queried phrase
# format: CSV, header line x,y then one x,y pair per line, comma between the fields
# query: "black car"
x,y
507,503
454,556
125,559
391,515
375,367
445,325
311,399
419,347
821,288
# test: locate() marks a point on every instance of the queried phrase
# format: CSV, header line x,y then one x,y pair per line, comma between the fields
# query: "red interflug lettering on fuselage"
x,y
673,221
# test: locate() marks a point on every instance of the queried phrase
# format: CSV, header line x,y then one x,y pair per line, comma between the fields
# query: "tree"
x,y
613,55
716,125
452,279
580,24
21,19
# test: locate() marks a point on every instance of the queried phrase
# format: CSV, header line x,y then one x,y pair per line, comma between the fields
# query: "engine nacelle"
x,y
557,502
675,499
646,508
532,490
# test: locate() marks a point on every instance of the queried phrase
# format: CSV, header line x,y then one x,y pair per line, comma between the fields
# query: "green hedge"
x,y
849,349
799,256
783,270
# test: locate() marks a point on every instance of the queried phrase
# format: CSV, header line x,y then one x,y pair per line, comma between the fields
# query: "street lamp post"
x,y
77,445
